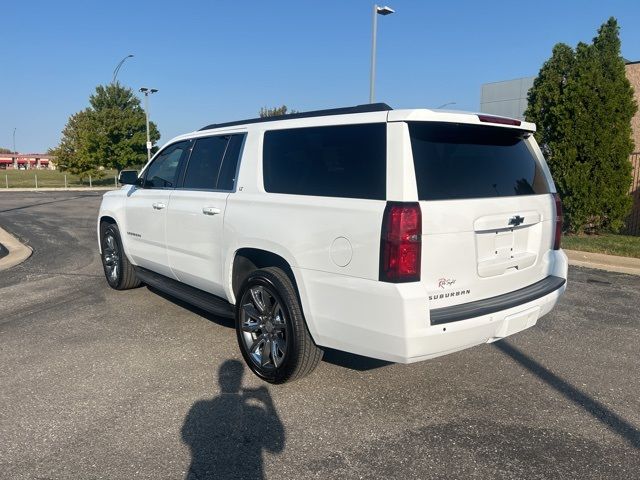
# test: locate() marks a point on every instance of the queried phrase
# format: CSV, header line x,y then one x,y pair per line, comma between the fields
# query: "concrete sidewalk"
x,y
611,263
18,252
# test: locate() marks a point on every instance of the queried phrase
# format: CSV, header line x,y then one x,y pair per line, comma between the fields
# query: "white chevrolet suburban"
x,y
395,234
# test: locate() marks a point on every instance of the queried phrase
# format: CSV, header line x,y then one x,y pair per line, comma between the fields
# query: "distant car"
x,y
400,235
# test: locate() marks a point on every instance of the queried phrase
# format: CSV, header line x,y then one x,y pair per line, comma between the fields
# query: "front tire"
x,y
118,271
271,330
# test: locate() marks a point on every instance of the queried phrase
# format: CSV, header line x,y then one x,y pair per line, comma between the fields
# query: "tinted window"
x,y
337,161
204,163
227,176
471,161
163,172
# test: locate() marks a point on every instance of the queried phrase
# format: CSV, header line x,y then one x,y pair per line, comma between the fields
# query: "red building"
x,y
26,161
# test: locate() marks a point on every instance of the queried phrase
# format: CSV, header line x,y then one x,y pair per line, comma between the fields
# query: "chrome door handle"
x,y
211,210
158,206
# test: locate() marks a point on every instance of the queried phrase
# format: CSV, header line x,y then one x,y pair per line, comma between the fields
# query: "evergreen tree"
x,y
582,104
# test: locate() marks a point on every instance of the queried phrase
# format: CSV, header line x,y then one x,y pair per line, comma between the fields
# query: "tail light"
x,y
559,220
401,243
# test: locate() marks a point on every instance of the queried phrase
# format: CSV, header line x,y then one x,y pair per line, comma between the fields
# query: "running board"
x,y
199,298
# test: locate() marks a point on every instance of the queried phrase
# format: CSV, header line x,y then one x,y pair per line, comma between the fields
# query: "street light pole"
x,y
117,69
376,11
147,92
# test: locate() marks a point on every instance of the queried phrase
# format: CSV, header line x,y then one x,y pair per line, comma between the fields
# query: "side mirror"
x,y
128,177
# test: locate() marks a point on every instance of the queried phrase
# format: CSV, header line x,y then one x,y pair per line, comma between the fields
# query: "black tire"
x,y
301,355
125,276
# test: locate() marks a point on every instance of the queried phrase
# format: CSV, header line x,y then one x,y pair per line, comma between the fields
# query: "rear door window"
x,y
213,163
204,163
334,161
457,161
229,167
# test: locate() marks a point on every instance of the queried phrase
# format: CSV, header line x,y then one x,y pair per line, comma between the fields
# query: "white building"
x,y
507,98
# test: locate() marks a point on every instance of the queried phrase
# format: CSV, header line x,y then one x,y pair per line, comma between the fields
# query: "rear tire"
x,y
118,271
271,330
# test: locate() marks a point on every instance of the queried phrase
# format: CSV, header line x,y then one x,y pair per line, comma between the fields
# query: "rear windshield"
x,y
454,161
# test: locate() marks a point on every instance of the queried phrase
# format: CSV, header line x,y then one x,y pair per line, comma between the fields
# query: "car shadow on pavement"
x,y
352,361
227,434
223,321
334,357
600,412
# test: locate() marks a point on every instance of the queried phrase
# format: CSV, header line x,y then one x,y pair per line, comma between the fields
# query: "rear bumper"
x,y
441,316
392,321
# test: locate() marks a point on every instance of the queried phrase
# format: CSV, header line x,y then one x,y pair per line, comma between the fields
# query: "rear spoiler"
x,y
455,116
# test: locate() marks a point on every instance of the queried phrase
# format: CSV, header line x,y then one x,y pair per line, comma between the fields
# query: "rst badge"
x,y
446,282
443,283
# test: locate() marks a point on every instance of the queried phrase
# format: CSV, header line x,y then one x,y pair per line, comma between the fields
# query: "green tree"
x,y
72,154
275,111
5,150
110,133
582,104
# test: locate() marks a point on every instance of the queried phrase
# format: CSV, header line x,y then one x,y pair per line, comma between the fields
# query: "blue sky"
x,y
223,60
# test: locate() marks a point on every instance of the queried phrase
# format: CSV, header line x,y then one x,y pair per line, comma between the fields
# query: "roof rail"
x,y
366,108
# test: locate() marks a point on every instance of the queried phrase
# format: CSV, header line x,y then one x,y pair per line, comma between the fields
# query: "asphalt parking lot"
x,y
96,383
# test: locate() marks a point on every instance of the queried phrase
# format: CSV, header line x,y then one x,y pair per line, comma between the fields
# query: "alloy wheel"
x,y
264,327
111,256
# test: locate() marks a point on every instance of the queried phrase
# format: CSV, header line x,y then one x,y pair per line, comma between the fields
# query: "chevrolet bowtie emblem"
x,y
515,221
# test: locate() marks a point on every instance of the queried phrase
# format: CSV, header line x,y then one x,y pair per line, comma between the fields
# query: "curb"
x,y
610,263
59,189
18,252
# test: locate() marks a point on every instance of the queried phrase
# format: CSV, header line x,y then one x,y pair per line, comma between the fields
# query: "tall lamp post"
x,y
147,92
376,11
117,69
